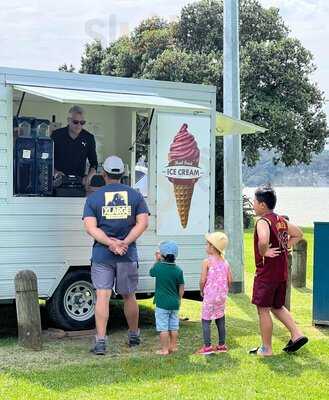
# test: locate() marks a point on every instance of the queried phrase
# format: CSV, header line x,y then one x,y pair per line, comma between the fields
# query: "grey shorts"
x,y
122,275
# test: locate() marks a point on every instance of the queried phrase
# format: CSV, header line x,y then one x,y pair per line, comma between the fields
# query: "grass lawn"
x,y
66,370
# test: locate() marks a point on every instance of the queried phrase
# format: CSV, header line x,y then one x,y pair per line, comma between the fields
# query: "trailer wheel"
x,y
72,306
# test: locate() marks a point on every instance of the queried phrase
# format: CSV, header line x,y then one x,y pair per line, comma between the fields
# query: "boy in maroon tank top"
x,y
272,237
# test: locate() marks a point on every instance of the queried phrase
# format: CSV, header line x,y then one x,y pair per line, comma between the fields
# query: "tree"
x,y
182,66
277,93
128,56
92,58
119,59
66,68
276,88
201,25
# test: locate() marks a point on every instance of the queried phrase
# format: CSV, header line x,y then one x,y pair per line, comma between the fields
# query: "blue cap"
x,y
167,248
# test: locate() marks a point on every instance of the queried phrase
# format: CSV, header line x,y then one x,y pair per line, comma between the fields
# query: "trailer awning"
x,y
226,125
71,96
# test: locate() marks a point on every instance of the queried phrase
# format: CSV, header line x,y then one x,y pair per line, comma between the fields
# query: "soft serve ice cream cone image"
x,y
183,170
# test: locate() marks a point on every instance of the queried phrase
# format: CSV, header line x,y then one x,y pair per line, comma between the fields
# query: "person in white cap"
x,y
115,216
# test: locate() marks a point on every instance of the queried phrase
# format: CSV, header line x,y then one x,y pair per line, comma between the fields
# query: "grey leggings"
x,y
220,323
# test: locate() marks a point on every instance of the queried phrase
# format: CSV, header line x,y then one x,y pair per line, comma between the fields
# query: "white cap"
x,y
114,165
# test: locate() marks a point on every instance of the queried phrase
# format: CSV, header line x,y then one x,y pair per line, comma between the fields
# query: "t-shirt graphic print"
x,y
116,205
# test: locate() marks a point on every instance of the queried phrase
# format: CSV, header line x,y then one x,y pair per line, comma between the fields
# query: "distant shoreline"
x,y
303,204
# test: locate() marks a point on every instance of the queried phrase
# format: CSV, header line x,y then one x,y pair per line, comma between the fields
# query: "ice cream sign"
x,y
183,170
183,176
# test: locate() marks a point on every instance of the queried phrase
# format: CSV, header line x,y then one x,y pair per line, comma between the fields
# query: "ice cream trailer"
x,y
41,228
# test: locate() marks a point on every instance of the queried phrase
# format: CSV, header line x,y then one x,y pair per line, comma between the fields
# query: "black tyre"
x,y
72,306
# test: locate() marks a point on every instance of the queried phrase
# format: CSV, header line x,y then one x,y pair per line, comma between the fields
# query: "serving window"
x,y
120,123
118,130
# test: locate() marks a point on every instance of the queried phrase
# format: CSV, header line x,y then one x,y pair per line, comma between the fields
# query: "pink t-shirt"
x,y
216,289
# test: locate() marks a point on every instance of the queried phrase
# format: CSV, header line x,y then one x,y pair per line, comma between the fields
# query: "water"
x,y
303,205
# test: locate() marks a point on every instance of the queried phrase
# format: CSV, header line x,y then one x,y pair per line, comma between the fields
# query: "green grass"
x,y
66,370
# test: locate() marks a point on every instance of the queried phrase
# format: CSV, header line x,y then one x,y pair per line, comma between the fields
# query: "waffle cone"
x,y
183,194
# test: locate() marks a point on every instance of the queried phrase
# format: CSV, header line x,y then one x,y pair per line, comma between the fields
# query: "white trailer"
x,y
46,235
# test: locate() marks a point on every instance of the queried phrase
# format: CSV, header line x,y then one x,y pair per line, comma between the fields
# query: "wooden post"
x,y
288,291
299,261
28,310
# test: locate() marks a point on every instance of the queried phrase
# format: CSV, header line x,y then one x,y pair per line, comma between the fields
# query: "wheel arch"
x,y
69,307
64,271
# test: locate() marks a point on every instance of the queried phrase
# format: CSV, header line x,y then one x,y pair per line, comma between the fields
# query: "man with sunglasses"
x,y
73,145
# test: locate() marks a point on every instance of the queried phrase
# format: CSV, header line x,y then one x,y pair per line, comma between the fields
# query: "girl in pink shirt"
x,y
215,281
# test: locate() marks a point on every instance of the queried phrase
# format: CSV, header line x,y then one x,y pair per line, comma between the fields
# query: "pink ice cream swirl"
x,y
184,148
184,151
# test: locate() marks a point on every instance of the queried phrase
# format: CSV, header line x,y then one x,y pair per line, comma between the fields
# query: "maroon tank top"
x,y
273,269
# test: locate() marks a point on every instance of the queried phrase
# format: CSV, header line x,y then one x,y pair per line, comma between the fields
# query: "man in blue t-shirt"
x,y
115,216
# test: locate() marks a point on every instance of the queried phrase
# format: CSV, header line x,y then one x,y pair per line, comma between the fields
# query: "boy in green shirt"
x,y
169,289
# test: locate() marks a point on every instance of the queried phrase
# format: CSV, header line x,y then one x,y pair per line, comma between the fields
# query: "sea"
x,y
303,205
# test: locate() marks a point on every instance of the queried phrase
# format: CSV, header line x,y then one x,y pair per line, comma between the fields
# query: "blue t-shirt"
x,y
115,206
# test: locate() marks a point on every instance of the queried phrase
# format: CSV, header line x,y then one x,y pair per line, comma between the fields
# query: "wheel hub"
x,y
79,301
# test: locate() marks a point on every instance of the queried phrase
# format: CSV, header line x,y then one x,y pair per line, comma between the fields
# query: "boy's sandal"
x,y
291,346
259,351
254,350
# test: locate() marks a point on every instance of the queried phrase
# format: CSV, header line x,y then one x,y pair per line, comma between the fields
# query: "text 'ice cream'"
x,y
183,170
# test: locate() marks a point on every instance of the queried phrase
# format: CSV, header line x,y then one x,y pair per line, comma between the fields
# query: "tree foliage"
x,y
92,58
119,59
276,87
66,68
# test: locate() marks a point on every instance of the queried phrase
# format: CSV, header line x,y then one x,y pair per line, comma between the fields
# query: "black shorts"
x,y
267,294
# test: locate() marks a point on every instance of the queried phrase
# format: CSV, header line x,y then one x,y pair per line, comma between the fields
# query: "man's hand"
x,y
272,252
118,247
86,179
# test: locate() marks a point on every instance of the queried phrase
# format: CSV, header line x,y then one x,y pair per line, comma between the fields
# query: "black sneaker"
x,y
99,348
134,339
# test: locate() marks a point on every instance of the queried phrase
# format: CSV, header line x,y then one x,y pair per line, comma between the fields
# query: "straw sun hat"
x,y
219,240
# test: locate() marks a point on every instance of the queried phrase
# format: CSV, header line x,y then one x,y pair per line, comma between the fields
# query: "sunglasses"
x,y
76,122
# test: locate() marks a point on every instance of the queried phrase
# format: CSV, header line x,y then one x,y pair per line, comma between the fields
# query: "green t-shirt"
x,y
168,277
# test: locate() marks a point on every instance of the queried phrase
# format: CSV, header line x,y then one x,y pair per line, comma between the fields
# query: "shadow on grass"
x,y
138,368
130,371
117,319
191,334
133,368
324,329
8,321
142,365
242,301
304,290
296,364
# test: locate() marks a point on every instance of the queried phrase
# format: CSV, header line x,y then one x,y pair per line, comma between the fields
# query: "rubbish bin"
x,y
321,274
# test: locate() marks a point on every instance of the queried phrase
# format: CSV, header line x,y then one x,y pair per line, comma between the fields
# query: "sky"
x,y
43,34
